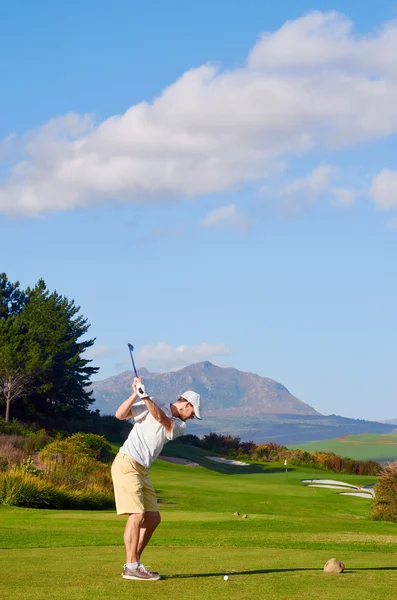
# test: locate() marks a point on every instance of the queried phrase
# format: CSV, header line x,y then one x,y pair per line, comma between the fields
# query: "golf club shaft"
x,y
131,348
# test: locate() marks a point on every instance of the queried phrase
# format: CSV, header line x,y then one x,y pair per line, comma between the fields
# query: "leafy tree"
x,y
18,362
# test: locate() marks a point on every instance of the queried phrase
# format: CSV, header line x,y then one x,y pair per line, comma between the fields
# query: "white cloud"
x,y
306,190
343,197
384,189
326,40
99,351
162,357
227,217
311,84
314,184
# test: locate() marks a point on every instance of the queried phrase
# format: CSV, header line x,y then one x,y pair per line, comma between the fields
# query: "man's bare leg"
x,y
151,521
132,536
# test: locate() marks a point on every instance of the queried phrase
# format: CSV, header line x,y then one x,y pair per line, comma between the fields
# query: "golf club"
x,y
131,349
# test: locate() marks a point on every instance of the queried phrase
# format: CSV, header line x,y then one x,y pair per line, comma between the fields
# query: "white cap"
x,y
194,399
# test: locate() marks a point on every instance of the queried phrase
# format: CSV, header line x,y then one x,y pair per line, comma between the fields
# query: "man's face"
x,y
186,411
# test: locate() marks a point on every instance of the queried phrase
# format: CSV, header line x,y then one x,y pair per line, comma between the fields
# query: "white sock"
x,y
132,565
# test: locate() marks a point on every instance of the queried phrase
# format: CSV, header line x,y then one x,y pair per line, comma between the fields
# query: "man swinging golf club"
x,y
134,493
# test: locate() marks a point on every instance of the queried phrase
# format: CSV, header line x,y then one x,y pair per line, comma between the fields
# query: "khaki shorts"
x,y
133,490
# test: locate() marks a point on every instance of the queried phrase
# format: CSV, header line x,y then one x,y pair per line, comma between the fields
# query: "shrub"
x,y
27,466
90,498
12,450
73,476
79,472
385,503
13,427
72,462
36,440
369,467
95,445
15,448
88,445
24,489
190,439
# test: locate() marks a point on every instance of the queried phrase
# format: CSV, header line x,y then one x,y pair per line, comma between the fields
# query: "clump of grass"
x,y
25,489
15,448
19,488
385,503
78,472
36,440
93,497
12,450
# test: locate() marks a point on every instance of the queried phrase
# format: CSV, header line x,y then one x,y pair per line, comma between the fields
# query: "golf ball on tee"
x,y
226,577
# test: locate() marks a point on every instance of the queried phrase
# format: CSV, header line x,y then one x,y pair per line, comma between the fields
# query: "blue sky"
x,y
208,193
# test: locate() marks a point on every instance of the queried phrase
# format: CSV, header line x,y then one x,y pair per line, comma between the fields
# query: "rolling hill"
x,y
366,446
222,389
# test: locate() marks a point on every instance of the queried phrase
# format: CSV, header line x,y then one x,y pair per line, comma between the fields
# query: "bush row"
x,y
18,488
235,448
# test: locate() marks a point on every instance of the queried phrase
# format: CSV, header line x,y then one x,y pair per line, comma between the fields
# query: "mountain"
x,y
223,391
237,403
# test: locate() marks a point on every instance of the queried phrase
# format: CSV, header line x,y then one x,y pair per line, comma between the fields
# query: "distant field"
x,y
365,446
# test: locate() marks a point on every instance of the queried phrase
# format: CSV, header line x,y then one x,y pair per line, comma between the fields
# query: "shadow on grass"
x,y
235,470
373,569
162,498
267,571
226,469
231,573
231,469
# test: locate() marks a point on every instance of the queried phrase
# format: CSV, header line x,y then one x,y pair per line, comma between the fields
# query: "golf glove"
x,y
140,390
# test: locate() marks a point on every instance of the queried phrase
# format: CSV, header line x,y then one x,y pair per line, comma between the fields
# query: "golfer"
x,y
134,493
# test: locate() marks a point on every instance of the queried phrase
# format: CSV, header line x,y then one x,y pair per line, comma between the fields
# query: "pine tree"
x,y
54,323
42,340
12,299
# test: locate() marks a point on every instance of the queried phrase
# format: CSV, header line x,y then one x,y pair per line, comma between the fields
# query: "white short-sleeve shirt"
x,y
147,438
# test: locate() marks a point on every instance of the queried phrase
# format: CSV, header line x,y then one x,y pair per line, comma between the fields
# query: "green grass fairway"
x,y
365,446
278,552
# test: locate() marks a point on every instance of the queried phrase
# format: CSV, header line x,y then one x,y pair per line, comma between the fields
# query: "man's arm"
x,y
124,410
159,414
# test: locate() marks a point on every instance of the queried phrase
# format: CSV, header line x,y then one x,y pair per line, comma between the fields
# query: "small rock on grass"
x,y
334,566
244,516
236,514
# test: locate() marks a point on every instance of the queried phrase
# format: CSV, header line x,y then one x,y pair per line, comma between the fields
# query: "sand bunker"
x,y
179,461
226,461
340,486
